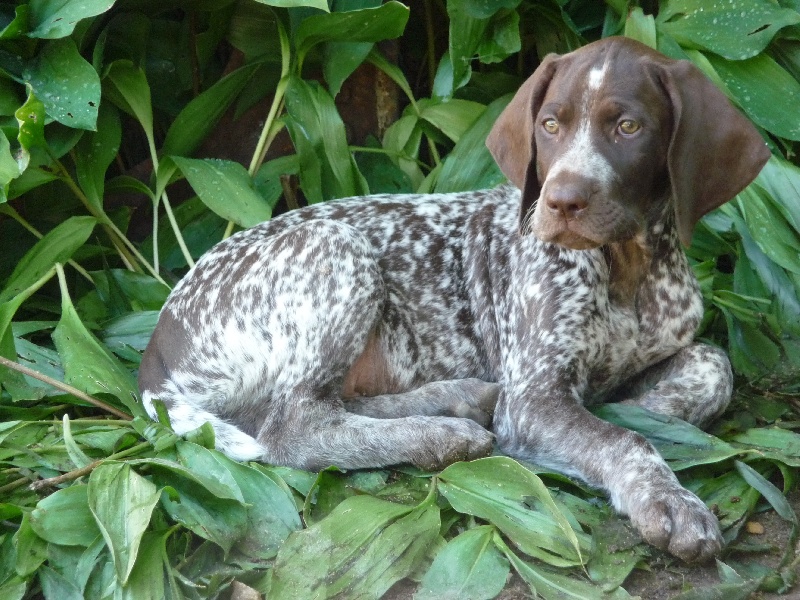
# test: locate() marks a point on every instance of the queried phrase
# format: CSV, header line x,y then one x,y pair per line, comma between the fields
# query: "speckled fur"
x,y
450,314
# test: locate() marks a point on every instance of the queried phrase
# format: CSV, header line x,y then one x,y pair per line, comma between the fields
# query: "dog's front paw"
x,y
676,520
450,440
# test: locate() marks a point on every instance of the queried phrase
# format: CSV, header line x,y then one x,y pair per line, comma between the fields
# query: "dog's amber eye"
x,y
629,127
550,125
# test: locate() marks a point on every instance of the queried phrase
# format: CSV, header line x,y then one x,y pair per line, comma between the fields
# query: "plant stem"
x,y
267,135
63,387
77,473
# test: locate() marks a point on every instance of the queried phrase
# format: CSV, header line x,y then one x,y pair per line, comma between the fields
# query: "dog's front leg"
x,y
550,427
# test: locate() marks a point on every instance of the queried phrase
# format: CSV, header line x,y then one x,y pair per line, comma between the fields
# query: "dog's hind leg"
x,y
694,384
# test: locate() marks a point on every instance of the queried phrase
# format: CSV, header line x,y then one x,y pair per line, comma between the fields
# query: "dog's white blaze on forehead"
x,y
596,77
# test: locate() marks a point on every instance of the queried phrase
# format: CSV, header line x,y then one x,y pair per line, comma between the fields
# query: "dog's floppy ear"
x,y
511,140
714,153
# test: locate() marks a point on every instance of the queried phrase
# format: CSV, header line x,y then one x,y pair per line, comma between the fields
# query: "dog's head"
x,y
599,138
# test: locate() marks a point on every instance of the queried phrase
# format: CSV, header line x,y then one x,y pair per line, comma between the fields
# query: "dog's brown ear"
x,y
511,140
714,153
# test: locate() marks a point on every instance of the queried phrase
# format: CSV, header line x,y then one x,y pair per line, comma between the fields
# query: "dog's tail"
x,y
230,440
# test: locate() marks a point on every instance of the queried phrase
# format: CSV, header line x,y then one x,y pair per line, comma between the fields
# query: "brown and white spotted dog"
x,y
399,329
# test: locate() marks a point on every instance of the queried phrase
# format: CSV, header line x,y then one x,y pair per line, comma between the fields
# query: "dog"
x,y
398,329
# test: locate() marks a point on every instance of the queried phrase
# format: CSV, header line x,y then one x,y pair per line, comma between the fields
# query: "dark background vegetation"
x,y
138,133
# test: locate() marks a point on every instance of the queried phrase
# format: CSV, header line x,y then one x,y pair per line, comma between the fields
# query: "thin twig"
x,y
64,387
78,473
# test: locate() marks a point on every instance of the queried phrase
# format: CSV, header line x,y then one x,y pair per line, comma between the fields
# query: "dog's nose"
x,y
568,200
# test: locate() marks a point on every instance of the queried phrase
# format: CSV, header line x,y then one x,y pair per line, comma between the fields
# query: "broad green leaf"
x,y
30,119
146,580
9,169
213,466
95,152
363,547
682,444
616,550
121,501
200,116
365,25
194,457
470,166
130,91
477,28
470,567
267,180
402,141
18,26
226,188
31,549
64,518
773,234
327,169
551,585
733,30
453,117
212,518
501,491
57,18
55,247
772,494
320,4
780,179
732,496
88,365
56,585
641,27
771,442
762,87
66,84
271,512
127,336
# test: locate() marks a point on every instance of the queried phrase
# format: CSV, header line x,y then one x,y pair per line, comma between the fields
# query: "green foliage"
x,y
99,99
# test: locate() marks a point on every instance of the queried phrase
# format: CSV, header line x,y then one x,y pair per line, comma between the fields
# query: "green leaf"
x,y
226,188
641,27
9,169
733,30
470,166
327,169
57,18
319,4
761,87
31,549
146,580
680,443
95,152
64,518
201,115
55,585
88,365
366,25
66,84
363,547
121,501
452,117
76,455
501,491
271,512
772,494
556,586
130,91
770,230
55,247
470,567
30,119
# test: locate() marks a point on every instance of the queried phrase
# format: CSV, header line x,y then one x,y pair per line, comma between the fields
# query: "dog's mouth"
x,y
567,233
